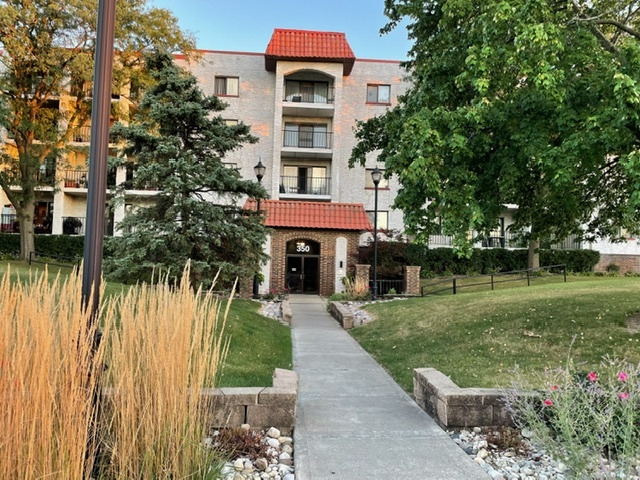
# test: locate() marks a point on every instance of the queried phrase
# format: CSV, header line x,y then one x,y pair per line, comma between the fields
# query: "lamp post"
x,y
376,175
259,170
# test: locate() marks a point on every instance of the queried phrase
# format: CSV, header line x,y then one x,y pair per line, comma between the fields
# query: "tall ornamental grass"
x,y
47,376
161,344
167,347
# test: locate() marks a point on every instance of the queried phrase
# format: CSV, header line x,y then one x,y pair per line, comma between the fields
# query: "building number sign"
x,y
301,247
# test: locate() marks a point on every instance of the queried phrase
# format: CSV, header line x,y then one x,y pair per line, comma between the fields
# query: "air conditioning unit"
x,y
296,98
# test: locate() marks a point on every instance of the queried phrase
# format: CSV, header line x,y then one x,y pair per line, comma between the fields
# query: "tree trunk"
x,y
534,254
27,240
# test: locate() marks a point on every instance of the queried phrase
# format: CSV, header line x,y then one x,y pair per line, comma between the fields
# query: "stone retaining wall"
x,y
342,315
260,407
285,308
455,407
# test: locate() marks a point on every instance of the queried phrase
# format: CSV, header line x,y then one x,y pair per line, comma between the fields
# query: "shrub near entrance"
x,y
590,420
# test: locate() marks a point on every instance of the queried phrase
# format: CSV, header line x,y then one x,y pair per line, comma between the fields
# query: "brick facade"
x,y
327,240
627,263
412,280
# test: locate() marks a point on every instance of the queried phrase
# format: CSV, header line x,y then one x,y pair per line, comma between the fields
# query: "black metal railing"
x,y
9,223
455,284
309,95
83,135
73,225
80,178
132,184
46,176
301,139
305,185
386,286
46,258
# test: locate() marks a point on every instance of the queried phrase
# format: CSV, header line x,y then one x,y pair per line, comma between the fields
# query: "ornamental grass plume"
x,y
47,375
590,421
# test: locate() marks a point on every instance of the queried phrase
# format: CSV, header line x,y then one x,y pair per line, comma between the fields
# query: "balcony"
x,y
313,100
79,179
310,188
73,225
9,223
134,187
307,144
83,134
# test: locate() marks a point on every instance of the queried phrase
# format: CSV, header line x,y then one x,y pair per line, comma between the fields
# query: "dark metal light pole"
x,y
259,170
376,175
99,150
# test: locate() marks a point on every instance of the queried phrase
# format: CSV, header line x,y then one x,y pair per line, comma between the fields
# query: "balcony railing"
x,y
73,225
133,185
440,240
80,178
298,139
309,95
9,223
305,185
83,135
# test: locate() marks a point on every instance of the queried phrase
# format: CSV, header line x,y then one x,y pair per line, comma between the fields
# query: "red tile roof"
x,y
309,45
326,216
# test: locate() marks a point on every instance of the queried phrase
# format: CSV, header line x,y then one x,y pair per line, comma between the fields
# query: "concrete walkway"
x,y
353,421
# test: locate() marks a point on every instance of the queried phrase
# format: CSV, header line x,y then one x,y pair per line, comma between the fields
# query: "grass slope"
x,y
258,346
478,338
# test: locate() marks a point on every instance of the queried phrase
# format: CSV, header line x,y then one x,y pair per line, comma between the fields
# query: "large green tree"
x,y
525,102
48,48
177,142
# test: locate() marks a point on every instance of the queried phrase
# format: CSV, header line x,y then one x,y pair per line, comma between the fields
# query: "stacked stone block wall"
x,y
455,407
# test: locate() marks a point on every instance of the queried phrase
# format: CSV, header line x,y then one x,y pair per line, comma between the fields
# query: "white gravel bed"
x,y
277,464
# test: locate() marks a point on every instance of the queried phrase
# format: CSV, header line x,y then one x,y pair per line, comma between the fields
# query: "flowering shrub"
x,y
590,421
277,294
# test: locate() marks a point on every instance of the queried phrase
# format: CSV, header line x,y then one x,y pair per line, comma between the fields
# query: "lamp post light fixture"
x,y
259,170
376,176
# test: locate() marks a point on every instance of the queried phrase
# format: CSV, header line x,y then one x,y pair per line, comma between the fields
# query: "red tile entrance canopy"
x,y
326,216
310,46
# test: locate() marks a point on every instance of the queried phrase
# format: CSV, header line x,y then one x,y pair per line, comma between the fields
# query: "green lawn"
x,y
258,344
478,338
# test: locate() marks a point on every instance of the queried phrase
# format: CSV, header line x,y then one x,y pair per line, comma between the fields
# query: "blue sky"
x,y
247,25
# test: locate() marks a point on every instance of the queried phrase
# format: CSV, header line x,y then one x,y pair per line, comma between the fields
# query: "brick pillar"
x,y
362,274
245,285
412,280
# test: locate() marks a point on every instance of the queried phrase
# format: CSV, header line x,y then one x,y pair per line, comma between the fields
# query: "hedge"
x,y
53,245
392,256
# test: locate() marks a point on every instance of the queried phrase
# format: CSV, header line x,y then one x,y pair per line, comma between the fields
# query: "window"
x,y
309,92
230,122
368,181
227,86
379,94
230,165
383,219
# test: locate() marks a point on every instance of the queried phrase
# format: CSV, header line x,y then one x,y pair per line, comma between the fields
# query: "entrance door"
x,y
303,267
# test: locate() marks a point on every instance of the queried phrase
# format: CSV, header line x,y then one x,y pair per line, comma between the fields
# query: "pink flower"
x,y
623,395
592,376
554,388
622,376
547,402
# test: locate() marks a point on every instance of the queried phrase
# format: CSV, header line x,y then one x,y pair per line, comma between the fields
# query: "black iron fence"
x,y
386,286
305,185
62,261
455,284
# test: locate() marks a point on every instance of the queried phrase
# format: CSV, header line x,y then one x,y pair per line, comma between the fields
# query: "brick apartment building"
x,y
302,98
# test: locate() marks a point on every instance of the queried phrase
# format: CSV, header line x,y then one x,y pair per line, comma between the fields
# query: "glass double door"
x,y
303,273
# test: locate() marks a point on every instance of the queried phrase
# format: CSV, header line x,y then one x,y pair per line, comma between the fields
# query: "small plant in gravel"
x,y
590,420
505,438
238,442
